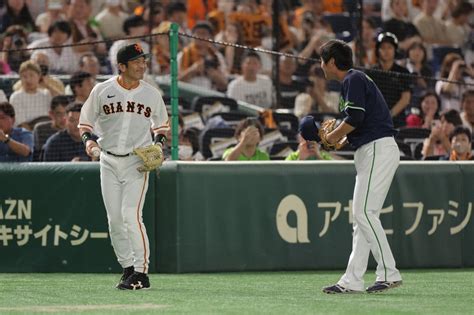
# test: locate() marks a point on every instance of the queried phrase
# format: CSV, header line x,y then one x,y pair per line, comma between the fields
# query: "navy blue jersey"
x,y
364,108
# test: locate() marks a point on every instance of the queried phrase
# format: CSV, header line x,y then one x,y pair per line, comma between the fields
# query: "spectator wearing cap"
x,y
406,32
438,142
30,101
16,144
110,20
134,25
66,145
396,89
461,145
64,59
200,63
54,12
249,133
252,87
82,84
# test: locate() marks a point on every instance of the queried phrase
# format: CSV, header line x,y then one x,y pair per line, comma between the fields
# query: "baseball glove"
x,y
152,157
326,128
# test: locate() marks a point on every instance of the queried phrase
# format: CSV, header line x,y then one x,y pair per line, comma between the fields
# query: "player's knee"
x,y
115,222
359,217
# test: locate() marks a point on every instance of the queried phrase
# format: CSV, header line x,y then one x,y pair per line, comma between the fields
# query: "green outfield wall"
x,y
223,216
52,219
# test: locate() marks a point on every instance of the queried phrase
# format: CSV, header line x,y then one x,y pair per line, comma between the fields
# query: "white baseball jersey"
x,y
123,118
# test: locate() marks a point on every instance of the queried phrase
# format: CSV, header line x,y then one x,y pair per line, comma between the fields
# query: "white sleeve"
x,y
159,120
232,91
90,111
3,97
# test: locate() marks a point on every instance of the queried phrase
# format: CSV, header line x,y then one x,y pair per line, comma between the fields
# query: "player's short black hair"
x,y
7,109
459,130
74,107
62,26
59,100
340,51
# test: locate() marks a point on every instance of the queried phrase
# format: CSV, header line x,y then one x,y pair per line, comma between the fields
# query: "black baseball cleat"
x,y
127,272
335,289
136,281
381,286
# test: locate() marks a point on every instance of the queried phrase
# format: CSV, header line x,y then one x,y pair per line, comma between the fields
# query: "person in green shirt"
x,y
309,150
249,133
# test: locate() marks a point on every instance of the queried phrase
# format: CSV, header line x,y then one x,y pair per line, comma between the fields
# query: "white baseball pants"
x,y
376,163
123,191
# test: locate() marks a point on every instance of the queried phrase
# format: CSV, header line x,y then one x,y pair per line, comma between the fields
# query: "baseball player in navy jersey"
x,y
122,111
369,128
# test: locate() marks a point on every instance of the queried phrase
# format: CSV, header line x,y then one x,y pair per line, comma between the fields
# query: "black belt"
x,y
118,155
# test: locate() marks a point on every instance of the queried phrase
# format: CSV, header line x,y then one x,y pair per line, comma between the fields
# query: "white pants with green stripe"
x,y
376,163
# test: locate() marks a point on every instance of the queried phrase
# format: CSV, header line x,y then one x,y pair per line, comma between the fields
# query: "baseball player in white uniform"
x,y
123,111
369,128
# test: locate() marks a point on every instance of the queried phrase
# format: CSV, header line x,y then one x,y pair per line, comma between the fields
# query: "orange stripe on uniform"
x,y
138,220
86,126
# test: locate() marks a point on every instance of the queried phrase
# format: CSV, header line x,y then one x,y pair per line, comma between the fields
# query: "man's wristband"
x,y
160,138
85,137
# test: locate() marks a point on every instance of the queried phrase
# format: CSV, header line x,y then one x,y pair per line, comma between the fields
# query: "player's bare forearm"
x,y
337,134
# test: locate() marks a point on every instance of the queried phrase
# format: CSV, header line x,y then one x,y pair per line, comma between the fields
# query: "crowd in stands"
x,y
418,52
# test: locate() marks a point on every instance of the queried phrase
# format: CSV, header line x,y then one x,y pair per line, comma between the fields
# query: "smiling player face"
x,y
135,69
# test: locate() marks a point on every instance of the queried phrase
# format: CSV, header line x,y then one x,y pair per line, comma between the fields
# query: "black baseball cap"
x,y
308,129
130,52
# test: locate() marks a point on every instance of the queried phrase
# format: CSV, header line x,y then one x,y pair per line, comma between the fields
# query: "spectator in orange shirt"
x,y
198,10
